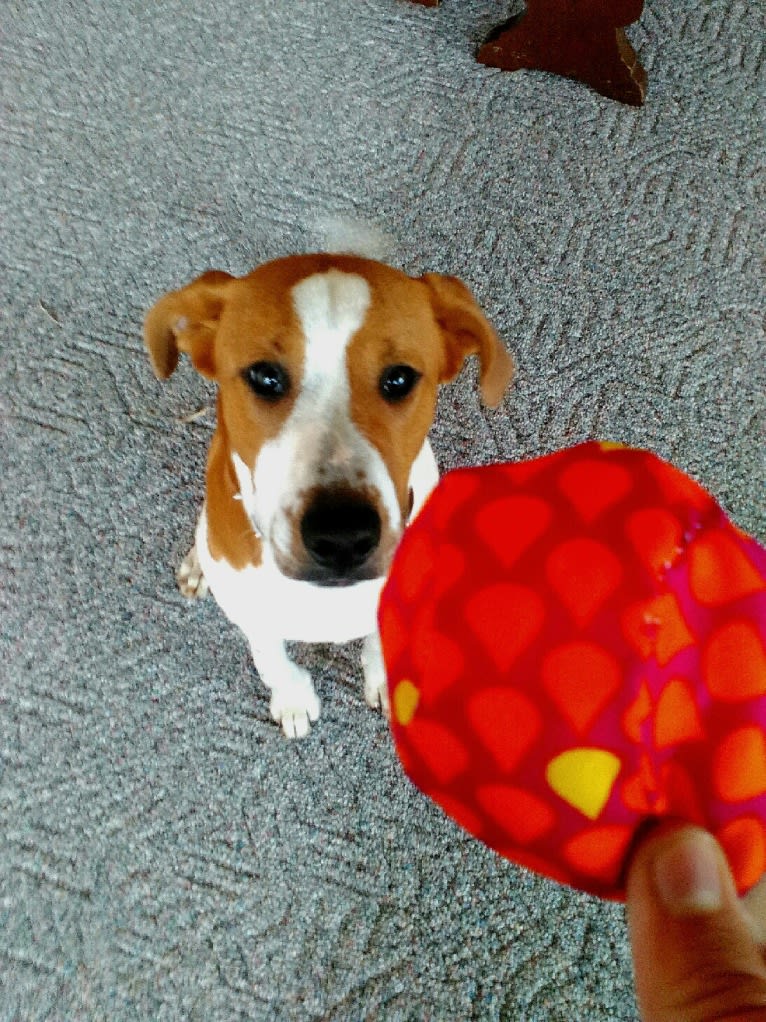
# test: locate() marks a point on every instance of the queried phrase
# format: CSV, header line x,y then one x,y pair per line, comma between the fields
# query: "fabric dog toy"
x,y
575,646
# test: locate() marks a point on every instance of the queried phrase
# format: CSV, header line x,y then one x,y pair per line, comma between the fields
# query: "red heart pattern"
x,y
589,652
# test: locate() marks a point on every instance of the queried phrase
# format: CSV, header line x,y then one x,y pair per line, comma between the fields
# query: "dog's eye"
x,y
268,380
396,382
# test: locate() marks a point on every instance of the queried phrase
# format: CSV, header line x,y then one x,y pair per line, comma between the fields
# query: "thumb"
x,y
694,955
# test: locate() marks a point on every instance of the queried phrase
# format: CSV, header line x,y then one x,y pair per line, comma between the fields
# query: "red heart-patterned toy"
x,y
574,647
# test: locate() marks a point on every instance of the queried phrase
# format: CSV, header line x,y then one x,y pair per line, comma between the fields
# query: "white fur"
x,y
356,237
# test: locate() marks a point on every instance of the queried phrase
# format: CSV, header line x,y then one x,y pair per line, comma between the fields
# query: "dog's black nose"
x,y
340,533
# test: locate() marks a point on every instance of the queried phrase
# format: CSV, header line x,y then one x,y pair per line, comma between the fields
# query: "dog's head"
x,y
328,369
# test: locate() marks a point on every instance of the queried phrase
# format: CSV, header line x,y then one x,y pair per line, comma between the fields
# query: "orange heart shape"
x,y
584,574
592,486
510,525
442,752
581,678
720,570
678,717
734,662
507,724
506,618
657,537
521,814
739,764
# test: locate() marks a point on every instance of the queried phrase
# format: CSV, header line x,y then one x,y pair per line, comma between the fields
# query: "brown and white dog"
x,y
327,368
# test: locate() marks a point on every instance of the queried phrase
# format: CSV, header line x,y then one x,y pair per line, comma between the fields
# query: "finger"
x,y
755,905
694,955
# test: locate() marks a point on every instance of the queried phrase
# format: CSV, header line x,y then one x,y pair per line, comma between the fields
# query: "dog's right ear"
x,y
187,321
466,331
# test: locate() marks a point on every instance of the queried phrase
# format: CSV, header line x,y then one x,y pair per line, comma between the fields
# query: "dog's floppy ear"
x,y
467,332
186,320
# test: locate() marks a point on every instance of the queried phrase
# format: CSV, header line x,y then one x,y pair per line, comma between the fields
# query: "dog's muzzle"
x,y
340,533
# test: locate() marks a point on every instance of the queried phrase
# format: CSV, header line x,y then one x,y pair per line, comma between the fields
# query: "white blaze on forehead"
x,y
319,443
331,307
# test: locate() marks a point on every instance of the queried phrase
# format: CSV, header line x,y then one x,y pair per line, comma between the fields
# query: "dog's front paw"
x,y
190,578
295,705
375,683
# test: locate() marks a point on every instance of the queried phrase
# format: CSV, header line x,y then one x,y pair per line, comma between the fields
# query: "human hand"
x,y
698,951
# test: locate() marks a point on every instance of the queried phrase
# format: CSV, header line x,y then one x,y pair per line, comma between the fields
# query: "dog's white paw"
x,y
375,683
376,697
295,705
190,578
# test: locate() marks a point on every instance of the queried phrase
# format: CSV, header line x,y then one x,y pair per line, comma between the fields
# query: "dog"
x,y
327,368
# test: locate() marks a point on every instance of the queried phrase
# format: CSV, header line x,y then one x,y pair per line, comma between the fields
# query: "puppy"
x,y
327,369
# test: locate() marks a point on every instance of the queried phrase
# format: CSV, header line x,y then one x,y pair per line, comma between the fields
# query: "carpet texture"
x,y
164,852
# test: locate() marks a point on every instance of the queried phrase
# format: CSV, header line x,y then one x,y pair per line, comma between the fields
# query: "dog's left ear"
x,y
467,331
187,321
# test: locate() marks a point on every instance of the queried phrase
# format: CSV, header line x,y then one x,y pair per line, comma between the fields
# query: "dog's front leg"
x,y
294,703
190,577
374,669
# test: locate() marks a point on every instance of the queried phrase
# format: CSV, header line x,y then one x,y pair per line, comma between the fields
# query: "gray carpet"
x,y
164,852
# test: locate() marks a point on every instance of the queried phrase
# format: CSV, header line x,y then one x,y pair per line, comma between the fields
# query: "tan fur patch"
x,y
230,534
399,330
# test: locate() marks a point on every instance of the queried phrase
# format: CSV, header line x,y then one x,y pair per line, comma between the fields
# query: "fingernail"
x,y
687,874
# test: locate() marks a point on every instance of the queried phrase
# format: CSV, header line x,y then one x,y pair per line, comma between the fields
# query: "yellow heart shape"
x,y
584,778
406,699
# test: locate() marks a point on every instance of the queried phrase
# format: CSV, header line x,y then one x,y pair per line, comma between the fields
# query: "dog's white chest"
x,y
260,600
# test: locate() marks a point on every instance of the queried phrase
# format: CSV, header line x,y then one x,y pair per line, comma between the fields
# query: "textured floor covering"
x,y
164,853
